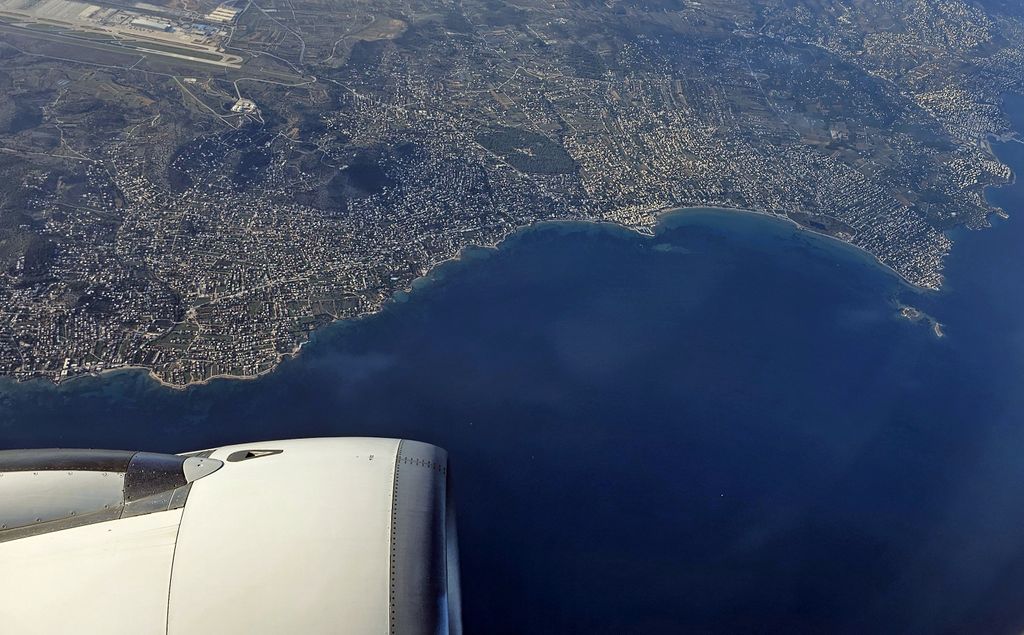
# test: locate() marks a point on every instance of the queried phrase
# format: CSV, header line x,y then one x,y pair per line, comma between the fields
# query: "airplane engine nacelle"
x,y
344,535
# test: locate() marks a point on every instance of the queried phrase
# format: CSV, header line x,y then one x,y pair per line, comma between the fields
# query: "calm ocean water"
x,y
725,428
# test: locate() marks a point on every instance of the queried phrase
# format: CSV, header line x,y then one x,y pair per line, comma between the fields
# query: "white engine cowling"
x,y
341,535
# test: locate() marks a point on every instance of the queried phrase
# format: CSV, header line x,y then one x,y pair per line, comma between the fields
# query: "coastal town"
x,y
201,218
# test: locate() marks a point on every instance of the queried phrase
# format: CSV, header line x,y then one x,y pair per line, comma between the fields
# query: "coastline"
x,y
662,218
670,211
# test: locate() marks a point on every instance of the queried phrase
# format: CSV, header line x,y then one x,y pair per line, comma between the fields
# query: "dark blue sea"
x,y
725,428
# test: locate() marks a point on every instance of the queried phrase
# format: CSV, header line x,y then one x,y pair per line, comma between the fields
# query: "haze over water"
x,y
726,428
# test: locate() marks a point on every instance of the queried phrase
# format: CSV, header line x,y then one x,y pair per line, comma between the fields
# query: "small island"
x,y
918,316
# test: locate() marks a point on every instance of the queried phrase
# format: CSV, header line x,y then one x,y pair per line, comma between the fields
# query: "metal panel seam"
x,y
392,536
177,534
170,574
